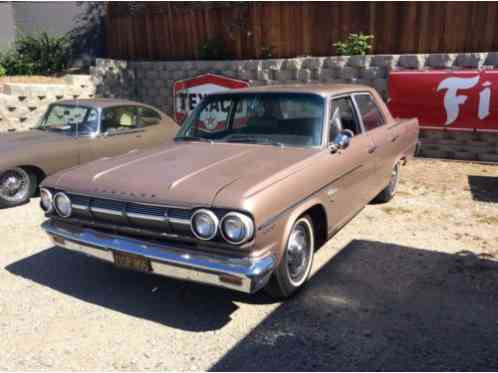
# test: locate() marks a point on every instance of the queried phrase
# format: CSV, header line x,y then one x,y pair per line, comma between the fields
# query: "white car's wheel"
x,y
17,186
389,191
295,267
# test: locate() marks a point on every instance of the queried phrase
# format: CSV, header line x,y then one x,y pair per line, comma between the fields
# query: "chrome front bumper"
x,y
243,274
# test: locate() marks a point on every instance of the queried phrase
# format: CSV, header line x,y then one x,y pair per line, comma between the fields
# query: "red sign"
x,y
188,93
464,100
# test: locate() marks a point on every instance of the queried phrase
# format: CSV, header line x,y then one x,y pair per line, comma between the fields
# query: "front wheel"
x,y
389,191
295,267
17,186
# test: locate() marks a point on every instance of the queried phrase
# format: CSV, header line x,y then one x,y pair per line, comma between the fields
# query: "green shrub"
x,y
212,49
3,72
39,54
355,44
267,52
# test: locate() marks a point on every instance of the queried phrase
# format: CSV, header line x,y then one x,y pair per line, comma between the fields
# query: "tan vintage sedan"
x,y
255,181
74,132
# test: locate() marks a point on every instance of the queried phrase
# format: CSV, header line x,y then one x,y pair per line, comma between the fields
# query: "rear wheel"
x,y
389,191
17,186
295,267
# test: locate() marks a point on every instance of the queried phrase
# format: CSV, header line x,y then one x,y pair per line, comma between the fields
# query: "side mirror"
x,y
341,141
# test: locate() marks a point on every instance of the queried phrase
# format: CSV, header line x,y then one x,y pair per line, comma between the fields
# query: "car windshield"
x,y
284,119
70,120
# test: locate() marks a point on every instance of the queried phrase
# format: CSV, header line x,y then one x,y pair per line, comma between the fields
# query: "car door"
x,y
353,168
119,134
375,125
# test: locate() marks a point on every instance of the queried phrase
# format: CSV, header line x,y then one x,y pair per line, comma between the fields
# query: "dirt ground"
x,y
409,285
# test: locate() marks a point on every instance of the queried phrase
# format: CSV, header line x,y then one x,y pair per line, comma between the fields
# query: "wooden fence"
x,y
176,31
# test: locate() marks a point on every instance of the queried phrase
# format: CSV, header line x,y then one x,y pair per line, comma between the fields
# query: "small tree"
x,y
355,44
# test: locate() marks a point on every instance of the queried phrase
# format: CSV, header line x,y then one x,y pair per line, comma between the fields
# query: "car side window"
x,y
148,117
370,113
347,114
119,119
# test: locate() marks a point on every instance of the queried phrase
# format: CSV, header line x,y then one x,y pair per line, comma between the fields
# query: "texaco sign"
x,y
188,93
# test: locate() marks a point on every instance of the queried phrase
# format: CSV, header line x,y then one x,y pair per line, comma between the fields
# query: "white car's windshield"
x,y
70,120
285,119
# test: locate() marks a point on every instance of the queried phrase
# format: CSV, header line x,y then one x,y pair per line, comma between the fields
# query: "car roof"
x,y
101,103
320,89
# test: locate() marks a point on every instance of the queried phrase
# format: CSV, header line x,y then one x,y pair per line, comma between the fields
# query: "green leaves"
x,y
39,54
355,44
212,49
3,72
267,51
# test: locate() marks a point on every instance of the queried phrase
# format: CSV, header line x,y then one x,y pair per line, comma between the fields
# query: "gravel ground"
x,y
413,287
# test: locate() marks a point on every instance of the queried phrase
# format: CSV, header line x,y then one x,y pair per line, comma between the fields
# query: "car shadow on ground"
x,y
379,306
484,188
182,305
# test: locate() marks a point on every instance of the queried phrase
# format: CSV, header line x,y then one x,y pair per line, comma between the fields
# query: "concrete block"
x,y
304,75
348,72
385,60
313,62
178,75
152,74
333,62
373,72
283,75
327,74
292,64
272,64
263,75
412,61
491,59
440,60
246,74
253,64
359,61
471,60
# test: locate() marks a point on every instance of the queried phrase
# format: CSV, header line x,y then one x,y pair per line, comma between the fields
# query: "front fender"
x,y
289,222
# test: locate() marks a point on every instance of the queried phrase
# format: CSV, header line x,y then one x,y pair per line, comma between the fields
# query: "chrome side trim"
x,y
106,211
278,215
135,215
242,274
80,207
179,221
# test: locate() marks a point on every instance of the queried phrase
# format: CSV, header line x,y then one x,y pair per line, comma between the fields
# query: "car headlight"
x,y
46,201
237,228
62,205
204,224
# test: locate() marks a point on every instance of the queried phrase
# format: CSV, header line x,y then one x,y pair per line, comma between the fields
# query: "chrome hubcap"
x,y
298,252
14,185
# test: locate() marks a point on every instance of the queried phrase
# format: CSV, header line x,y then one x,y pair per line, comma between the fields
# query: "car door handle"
x,y
372,149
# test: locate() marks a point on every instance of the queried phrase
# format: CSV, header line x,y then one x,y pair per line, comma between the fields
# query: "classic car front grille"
x,y
146,210
130,214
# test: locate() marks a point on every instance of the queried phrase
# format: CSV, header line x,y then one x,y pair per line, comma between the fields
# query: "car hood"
x,y
183,174
15,140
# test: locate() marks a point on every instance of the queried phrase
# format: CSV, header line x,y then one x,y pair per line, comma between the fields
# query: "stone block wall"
x,y
22,105
152,82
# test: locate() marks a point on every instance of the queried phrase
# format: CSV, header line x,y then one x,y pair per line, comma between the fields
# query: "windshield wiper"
x,y
255,140
193,138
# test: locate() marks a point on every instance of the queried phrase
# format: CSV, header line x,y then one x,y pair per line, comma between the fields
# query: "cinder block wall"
x,y
22,105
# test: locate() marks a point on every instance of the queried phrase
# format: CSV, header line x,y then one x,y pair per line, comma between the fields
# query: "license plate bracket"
x,y
130,261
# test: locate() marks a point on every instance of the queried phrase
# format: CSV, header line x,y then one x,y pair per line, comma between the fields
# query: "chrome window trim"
x,y
360,117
